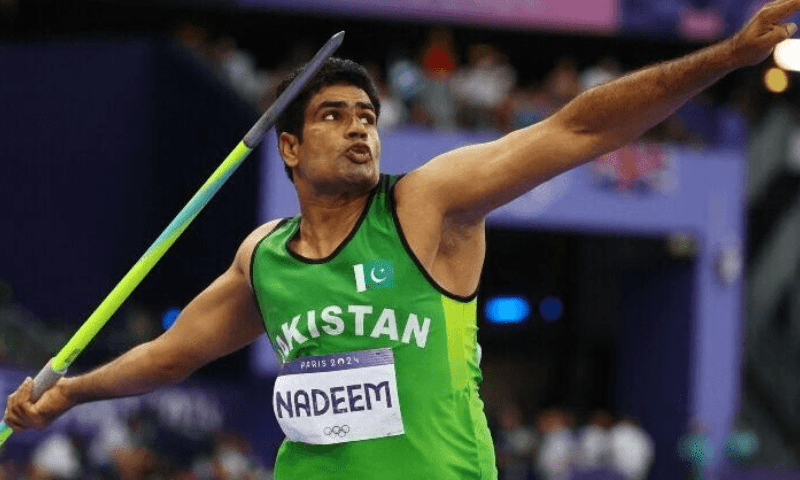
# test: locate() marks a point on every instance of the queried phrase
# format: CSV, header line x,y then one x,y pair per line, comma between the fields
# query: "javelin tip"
x,y
338,38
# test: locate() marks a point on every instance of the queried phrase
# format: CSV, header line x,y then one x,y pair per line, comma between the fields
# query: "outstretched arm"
x,y
468,183
220,320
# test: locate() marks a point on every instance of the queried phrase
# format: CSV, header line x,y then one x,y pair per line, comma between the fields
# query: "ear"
x,y
288,145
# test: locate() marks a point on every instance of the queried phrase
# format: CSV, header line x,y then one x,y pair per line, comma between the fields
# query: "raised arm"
x,y
468,183
220,320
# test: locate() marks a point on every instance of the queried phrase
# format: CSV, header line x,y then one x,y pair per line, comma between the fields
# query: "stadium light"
x,y
776,80
507,310
787,55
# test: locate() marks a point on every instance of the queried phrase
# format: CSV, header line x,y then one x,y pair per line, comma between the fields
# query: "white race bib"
x,y
339,398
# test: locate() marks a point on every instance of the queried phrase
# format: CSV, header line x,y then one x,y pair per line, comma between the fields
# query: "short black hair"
x,y
335,71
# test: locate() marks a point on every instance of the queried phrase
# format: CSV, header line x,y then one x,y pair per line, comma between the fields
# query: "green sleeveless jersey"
x,y
372,293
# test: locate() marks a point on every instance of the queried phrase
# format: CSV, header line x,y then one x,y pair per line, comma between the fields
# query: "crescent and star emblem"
x,y
376,279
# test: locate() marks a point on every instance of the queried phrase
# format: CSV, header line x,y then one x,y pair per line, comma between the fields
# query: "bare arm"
x,y
220,320
468,183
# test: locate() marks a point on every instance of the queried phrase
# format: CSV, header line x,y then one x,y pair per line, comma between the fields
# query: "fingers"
x,y
781,33
776,11
769,20
15,408
20,413
12,412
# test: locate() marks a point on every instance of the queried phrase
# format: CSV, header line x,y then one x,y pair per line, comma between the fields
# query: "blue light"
x,y
551,309
169,317
507,309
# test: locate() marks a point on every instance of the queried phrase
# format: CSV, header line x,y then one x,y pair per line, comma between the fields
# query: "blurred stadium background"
x,y
638,316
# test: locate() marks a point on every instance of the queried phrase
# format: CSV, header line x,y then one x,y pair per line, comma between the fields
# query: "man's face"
x,y
340,144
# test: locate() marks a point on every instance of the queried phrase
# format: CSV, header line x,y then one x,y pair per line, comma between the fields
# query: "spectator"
x,y
438,56
632,449
439,60
56,458
231,458
557,445
741,446
593,445
693,449
393,111
527,106
563,83
136,456
516,444
112,437
483,87
603,71
238,69
407,82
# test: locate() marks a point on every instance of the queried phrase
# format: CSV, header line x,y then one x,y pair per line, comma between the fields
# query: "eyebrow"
x,y
343,104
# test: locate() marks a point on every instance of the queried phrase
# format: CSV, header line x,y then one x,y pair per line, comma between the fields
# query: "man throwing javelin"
x,y
368,296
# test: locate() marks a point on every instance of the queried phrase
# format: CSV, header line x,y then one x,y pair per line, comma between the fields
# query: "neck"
x,y
325,221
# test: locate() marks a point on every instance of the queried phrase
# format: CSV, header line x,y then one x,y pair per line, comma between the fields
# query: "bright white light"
x,y
787,54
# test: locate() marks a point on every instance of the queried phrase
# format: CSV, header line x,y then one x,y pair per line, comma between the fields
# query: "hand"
x,y
755,42
21,413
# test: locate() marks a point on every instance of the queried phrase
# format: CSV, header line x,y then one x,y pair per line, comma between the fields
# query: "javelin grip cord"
x,y
46,378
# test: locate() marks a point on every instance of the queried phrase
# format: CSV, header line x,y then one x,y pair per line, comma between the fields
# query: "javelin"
x,y
57,366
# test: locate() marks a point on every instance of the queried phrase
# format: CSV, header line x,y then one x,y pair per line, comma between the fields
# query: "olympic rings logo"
x,y
337,430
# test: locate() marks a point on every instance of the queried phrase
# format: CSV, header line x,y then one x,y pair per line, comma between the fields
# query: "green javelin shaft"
x,y
131,280
136,274
58,365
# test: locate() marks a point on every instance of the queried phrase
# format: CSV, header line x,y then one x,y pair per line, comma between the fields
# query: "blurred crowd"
x,y
167,440
445,86
142,449
554,446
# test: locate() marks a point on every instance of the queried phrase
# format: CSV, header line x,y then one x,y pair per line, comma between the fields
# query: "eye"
x,y
368,120
330,116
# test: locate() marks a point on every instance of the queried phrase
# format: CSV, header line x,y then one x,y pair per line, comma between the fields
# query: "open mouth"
x,y
359,153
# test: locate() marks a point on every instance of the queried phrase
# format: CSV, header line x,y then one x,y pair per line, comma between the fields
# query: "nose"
x,y
356,129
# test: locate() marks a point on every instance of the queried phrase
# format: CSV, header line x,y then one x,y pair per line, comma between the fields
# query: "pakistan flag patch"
x,y
374,275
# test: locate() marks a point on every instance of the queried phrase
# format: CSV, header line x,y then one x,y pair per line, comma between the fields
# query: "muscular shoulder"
x,y
450,248
423,198
246,249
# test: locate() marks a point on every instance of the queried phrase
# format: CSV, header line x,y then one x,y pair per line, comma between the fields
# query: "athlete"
x,y
368,296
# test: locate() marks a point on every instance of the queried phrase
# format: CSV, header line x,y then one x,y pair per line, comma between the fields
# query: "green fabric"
x,y
313,307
